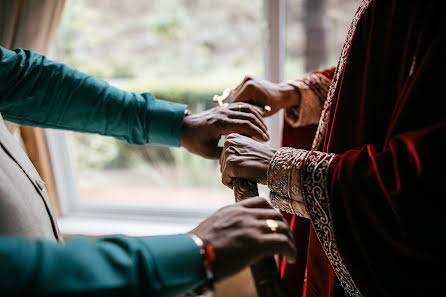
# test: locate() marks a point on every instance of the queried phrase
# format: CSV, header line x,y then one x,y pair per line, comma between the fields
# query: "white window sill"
x,y
75,226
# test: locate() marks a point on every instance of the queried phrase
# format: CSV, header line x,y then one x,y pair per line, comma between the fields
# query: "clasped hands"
x,y
241,156
240,233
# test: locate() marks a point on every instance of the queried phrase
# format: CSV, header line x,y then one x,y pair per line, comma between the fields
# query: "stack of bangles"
x,y
208,255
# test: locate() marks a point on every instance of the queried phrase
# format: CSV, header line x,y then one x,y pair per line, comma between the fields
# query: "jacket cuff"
x,y
178,263
308,112
165,122
297,177
284,180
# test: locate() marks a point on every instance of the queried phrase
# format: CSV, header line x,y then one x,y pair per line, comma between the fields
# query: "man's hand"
x,y
246,158
240,236
261,92
202,132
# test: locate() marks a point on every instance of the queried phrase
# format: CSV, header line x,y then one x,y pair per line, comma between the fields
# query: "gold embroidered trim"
x,y
279,170
319,84
284,181
288,205
315,195
322,127
314,176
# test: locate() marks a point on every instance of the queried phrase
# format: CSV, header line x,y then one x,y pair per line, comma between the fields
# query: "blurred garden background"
x,y
184,51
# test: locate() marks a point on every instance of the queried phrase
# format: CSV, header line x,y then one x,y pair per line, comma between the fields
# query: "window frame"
x,y
73,210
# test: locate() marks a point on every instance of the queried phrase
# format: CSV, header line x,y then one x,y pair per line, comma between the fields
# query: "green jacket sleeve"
x,y
36,91
161,266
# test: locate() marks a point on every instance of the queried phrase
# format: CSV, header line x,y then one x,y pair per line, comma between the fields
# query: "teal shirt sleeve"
x,y
36,91
161,266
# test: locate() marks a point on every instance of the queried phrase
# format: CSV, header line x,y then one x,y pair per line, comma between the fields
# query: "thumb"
x,y
213,151
242,94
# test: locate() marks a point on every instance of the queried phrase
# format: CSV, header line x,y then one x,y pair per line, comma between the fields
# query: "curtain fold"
x,y
32,24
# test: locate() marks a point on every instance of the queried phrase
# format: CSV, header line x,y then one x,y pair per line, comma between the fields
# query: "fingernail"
x,y
265,136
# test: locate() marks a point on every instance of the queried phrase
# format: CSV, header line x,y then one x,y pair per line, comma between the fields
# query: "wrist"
x,y
185,128
297,87
208,261
271,152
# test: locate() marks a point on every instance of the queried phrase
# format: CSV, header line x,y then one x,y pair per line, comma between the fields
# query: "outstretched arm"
x,y
302,99
39,92
162,266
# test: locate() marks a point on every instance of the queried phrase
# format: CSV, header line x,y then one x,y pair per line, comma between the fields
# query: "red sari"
x,y
384,119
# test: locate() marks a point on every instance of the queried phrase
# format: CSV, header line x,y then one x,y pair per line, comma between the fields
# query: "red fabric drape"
x,y
386,189
305,237
295,273
387,123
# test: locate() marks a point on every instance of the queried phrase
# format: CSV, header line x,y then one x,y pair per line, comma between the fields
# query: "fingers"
x,y
251,117
245,91
247,121
255,202
246,128
244,157
265,213
245,107
214,153
279,243
282,227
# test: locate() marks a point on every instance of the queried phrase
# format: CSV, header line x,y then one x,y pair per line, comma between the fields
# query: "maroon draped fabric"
x,y
387,123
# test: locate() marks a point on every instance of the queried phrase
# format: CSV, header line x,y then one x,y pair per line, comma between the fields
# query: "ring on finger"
x,y
239,107
272,225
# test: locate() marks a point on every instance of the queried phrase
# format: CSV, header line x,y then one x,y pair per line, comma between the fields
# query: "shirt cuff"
x,y
178,262
165,122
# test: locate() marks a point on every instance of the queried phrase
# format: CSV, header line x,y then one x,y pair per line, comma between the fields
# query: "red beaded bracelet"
x,y
209,256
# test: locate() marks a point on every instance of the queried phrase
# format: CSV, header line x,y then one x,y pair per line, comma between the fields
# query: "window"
x,y
184,51
315,33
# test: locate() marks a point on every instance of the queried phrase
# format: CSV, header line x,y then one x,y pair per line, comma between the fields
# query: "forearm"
x,y
39,92
163,266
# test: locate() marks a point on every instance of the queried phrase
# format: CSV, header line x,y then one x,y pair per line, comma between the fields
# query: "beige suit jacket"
x,y
25,207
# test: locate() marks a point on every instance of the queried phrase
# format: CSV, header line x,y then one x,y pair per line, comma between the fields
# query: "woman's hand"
x,y
246,158
261,92
202,132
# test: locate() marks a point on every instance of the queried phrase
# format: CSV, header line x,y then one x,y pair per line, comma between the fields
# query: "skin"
x,y
262,92
202,132
240,236
238,232
243,157
246,158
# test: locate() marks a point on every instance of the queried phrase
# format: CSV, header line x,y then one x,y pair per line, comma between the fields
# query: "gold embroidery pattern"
x,y
315,194
322,127
280,168
284,181
319,84
288,205
308,112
